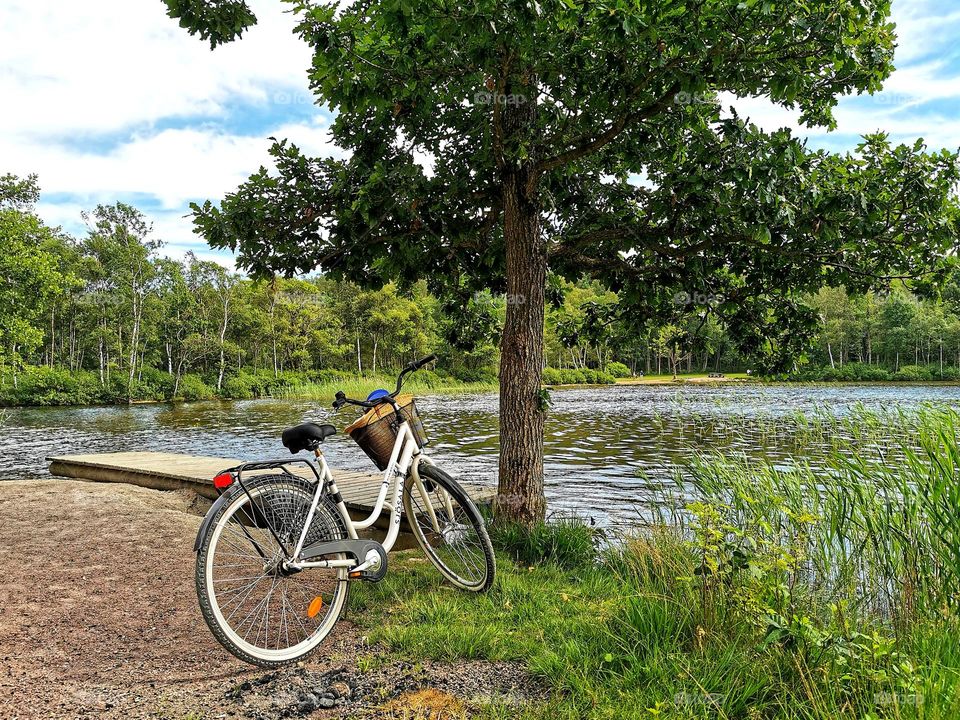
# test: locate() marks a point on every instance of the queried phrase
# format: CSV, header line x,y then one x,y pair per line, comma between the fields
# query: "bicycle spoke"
x,y
455,543
261,604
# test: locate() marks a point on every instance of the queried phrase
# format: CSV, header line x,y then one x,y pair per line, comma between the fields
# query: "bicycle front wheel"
x,y
261,612
449,528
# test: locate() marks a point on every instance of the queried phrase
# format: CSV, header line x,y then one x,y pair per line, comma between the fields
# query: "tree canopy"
x,y
491,144
70,333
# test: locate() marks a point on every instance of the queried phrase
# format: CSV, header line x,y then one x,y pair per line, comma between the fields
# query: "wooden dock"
x,y
175,471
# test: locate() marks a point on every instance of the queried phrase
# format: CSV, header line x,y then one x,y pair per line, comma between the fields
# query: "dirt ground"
x,y
99,618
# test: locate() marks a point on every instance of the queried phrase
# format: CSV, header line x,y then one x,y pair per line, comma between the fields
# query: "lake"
x,y
607,449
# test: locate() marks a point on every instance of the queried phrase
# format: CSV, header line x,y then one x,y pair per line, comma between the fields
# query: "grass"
x,y
361,387
760,593
667,378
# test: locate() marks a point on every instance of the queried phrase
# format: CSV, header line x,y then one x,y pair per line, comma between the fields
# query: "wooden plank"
x,y
174,471
170,471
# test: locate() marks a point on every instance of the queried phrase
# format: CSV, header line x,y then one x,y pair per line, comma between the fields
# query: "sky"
x,y
111,100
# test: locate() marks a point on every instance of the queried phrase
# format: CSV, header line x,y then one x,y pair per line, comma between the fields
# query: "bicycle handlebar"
x,y
342,399
417,364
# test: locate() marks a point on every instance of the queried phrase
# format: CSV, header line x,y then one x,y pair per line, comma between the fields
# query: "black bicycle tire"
x,y
206,608
448,483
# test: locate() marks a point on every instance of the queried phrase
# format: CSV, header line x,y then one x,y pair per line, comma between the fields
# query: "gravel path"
x,y
99,618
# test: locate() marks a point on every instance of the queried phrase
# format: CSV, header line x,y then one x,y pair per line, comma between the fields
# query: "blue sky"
x,y
112,101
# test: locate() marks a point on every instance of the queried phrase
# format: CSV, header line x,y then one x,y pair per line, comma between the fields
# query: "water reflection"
x,y
605,448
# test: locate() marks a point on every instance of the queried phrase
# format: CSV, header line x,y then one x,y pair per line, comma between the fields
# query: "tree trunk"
x,y
134,339
176,380
520,495
53,333
223,354
103,379
273,325
359,363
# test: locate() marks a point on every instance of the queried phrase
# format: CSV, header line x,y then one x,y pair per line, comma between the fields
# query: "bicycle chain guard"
x,y
359,550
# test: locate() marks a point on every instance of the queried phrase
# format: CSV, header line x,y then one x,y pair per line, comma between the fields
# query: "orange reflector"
x,y
354,574
315,606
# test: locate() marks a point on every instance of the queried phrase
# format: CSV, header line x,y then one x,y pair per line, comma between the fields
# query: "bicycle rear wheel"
x,y
449,528
260,612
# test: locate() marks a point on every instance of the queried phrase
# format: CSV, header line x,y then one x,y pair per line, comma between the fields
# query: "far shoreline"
x,y
322,392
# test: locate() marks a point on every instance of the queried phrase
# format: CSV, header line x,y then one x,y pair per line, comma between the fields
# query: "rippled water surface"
x,y
605,447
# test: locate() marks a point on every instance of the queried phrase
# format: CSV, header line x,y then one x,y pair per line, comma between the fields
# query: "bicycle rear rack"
x,y
256,465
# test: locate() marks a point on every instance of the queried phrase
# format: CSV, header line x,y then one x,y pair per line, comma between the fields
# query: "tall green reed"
x,y
878,517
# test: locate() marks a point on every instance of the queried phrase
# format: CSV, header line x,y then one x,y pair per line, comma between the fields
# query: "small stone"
x,y
326,701
308,703
340,689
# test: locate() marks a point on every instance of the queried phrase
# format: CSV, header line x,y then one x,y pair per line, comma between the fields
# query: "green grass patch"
x,y
763,593
420,383
566,542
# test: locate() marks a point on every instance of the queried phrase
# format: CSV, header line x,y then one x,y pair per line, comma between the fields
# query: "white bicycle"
x,y
278,549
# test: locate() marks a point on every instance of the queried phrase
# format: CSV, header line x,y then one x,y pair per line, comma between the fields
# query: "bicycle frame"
x,y
404,461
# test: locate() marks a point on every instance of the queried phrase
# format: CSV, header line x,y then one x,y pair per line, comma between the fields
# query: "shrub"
x,y
566,542
239,387
950,373
552,376
618,370
862,372
586,376
912,373
872,372
152,384
603,378
427,378
193,388
476,375
54,386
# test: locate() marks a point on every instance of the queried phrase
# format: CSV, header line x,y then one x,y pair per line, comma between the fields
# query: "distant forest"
x,y
107,317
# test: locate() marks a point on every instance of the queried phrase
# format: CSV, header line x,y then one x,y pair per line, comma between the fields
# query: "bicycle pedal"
x,y
376,571
368,576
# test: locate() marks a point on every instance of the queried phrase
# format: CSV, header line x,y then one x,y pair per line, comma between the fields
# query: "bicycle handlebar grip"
x,y
423,361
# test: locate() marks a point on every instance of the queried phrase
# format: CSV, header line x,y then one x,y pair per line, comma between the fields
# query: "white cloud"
x,y
918,100
925,27
173,166
169,226
80,67
854,120
90,91
112,100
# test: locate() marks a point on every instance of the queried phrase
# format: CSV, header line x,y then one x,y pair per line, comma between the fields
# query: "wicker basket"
x,y
376,432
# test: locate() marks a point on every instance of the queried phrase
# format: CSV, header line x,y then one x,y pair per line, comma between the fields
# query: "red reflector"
x,y
222,481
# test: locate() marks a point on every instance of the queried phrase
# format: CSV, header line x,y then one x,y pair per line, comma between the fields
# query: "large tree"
x,y
491,143
30,275
120,243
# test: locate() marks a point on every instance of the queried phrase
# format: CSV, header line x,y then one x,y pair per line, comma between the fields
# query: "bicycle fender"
x,y
208,519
